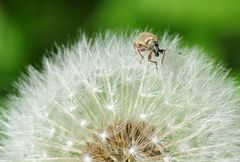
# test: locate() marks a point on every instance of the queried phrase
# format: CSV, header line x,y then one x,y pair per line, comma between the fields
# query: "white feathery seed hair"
x,y
94,102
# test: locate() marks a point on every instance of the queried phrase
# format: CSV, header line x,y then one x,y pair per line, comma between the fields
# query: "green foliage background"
x,y
30,27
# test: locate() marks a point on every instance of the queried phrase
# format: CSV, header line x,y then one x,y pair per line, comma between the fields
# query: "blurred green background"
x,y
30,27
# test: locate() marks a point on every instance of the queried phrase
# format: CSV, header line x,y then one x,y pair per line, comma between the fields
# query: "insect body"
x,y
149,42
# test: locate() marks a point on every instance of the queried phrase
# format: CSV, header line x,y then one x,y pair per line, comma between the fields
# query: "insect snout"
x,y
157,53
156,49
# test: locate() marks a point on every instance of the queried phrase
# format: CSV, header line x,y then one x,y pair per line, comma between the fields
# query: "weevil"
x,y
147,41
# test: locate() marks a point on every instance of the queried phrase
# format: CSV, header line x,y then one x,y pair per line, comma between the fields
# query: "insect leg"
x,y
163,55
141,56
150,59
138,51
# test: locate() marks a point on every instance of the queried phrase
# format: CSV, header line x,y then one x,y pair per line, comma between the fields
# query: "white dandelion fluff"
x,y
94,102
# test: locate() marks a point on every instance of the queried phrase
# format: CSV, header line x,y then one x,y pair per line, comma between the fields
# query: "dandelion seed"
x,y
83,122
167,159
45,155
87,158
103,136
72,108
110,107
155,140
132,151
51,132
69,143
143,116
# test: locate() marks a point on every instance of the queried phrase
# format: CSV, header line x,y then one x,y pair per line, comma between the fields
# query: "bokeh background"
x,y
28,28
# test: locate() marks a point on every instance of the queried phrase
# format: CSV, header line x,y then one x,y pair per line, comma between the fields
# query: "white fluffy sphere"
x,y
94,102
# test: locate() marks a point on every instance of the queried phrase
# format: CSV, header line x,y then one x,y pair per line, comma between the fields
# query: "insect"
x,y
147,41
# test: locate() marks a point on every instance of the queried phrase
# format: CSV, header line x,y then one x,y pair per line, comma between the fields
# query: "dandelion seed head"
x,y
93,101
